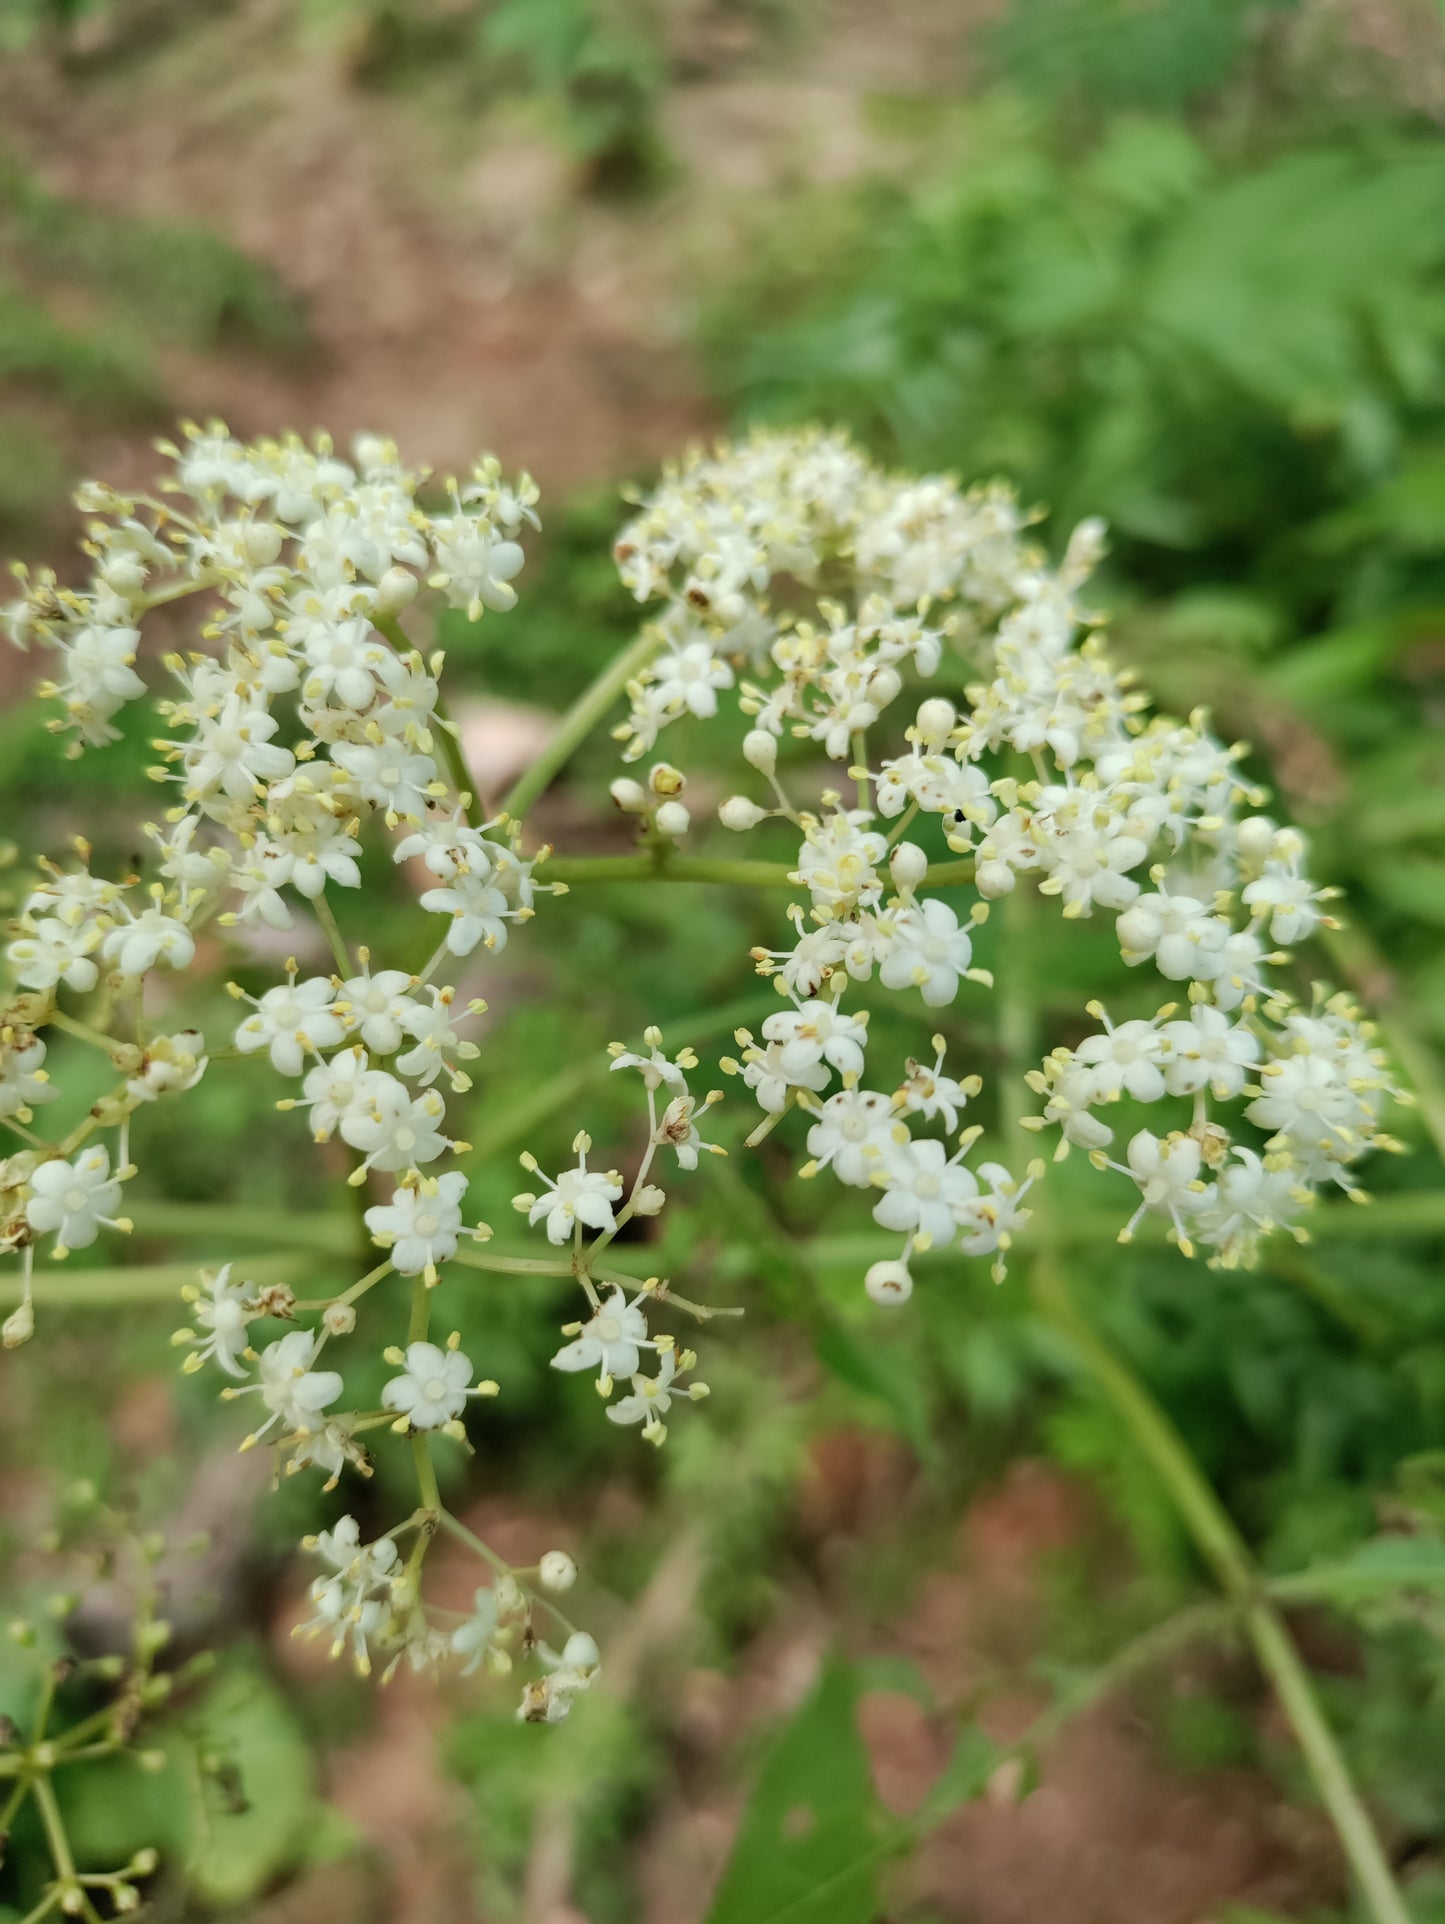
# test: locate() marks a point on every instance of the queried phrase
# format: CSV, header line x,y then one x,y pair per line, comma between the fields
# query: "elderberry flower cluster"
x,y
909,633
300,732
830,596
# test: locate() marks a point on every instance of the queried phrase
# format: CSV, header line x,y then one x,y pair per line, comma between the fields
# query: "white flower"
x,y
378,1007
52,951
344,1601
653,1396
689,676
925,1191
150,937
295,1393
478,909
992,1219
171,1065
930,1093
429,1025
853,1131
23,1081
343,658
926,950
1286,900
1250,1200
233,752
611,1343
475,566
392,777
1209,1052
677,1128
394,1129
1125,1060
657,1069
839,862
225,1314
473,1638
1178,931
578,1196
421,1223
74,1199
292,1021
338,1088
765,1072
1167,1172
814,1032
433,1387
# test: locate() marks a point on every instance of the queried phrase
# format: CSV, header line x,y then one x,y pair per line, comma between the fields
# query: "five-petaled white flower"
x,y
432,1388
611,1343
74,1199
579,1196
421,1223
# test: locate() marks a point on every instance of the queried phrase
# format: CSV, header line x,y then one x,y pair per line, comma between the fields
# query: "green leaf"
x,y
229,1853
809,1849
879,1376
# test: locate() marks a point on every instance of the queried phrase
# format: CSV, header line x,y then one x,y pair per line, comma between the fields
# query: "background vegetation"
x,y
1177,263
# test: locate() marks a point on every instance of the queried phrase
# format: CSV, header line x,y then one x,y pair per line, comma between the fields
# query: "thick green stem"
x,y
579,721
511,1265
1203,1515
1223,1549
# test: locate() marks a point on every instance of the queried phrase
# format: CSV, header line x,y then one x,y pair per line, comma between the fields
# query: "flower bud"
x,y
993,879
760,750
885,685
396,589
737,812
630,796
889,1284
1254,838
908,865
937,719
556,1571
262,543
673,819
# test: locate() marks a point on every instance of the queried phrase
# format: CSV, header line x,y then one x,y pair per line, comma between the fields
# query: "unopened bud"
x,y
737,812
760,750
556,1571
889,1284
908,865
672,818
396,589
936,721
630,796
